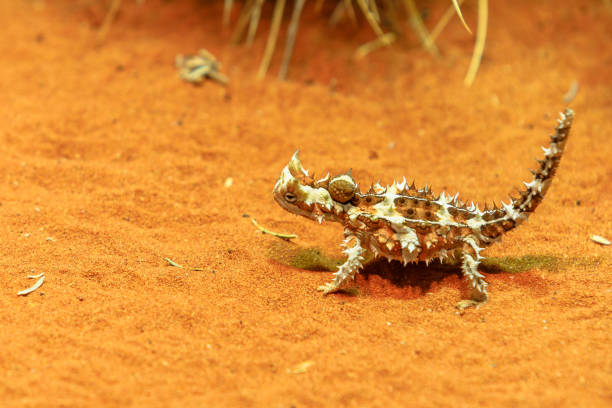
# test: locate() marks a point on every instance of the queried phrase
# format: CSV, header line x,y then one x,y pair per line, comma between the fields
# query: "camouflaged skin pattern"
x,y
409,224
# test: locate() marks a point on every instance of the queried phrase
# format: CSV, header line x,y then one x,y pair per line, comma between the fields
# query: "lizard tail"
x,y
519,209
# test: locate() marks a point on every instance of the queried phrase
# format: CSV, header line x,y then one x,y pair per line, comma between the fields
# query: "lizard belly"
x,y
395,242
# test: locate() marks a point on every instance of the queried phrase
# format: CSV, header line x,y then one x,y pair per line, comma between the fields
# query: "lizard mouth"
x,y
312,211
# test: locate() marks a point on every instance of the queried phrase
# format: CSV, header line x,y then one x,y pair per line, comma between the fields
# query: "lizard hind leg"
x,y
348,269
476,283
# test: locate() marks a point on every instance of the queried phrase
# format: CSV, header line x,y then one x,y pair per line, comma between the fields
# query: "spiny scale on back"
x,y
409,224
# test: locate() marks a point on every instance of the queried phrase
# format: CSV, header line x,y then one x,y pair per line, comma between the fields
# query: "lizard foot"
x,y
464,304
328,288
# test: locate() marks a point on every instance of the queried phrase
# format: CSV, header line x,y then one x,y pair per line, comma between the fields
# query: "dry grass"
x,y
383,16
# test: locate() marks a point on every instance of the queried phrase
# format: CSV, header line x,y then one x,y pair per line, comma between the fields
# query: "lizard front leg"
x,y
349,268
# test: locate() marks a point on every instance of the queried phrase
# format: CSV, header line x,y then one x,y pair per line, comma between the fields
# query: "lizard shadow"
x,y
423,277
414,275
412,280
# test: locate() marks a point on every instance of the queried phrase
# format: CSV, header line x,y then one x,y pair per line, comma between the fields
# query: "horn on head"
x,y
295,166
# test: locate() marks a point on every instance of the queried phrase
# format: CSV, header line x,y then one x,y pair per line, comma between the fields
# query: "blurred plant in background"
x,y
383,16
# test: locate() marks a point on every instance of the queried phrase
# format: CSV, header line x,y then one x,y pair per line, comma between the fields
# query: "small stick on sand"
x,y
172,263
32,288
599,239
301,368
263,230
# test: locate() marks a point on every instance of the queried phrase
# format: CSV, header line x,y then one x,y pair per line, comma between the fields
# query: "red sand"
x,y
110,164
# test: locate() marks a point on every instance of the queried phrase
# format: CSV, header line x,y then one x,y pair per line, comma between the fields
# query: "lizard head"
x,y
323,199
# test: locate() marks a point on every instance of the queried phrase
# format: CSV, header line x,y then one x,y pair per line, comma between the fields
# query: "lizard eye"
x,y
290,197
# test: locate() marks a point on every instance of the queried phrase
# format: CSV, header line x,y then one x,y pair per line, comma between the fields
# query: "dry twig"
x,y
419,27
458,10
448,14
263,230
227,9
277,17
600,240
108,20
481,36
32,288
291,34
255,15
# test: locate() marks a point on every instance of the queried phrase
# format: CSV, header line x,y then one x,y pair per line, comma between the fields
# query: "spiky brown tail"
x,y
512,214
536,189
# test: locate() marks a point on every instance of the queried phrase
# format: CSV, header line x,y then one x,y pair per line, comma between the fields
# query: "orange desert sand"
x,y
111,163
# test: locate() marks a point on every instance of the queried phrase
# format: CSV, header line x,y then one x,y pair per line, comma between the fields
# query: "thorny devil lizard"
x,y
408,224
